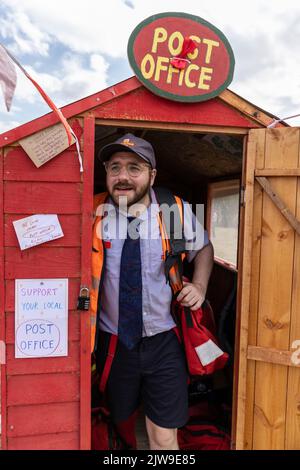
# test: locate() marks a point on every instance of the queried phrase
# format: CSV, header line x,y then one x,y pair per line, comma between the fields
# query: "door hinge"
x,y
242,196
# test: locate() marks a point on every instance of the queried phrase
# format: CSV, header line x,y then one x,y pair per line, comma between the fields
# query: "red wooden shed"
x,y
46,401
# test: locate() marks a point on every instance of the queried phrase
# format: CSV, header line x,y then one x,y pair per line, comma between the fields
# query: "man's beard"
x,y
139,194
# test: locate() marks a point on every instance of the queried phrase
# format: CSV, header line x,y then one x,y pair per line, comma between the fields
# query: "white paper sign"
x,y
37,229
42,146
41,318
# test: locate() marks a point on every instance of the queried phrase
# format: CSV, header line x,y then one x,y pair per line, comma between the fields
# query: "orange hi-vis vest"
x,y
98,257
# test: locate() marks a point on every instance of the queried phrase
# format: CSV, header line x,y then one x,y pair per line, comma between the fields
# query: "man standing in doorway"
x,y
133,299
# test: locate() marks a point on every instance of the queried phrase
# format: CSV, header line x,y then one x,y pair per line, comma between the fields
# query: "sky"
x,y
75,48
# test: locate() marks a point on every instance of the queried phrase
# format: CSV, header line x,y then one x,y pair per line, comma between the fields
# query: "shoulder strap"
x,y
171,212
173,220
108,362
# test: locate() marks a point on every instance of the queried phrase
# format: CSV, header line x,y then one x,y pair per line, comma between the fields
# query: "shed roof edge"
x,y
258,115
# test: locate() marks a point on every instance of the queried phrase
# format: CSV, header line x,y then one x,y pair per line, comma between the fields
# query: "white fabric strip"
x,y
208,352
78,150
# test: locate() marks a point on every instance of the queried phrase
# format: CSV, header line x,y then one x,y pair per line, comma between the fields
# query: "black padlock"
x,y
83,302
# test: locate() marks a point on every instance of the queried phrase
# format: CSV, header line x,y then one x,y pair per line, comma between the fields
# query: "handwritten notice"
x,y
41,318
46,144
37,229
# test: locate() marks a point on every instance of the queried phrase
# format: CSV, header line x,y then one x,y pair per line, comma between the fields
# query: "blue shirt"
x,y
156,292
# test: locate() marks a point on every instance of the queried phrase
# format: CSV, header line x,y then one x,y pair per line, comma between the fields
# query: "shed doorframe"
x,y
172,127
188,128
86,274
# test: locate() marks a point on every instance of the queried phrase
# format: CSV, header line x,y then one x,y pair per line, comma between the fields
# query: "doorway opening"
x,y
201,168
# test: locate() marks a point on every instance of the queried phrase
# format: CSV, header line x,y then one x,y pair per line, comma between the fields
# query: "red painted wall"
x,y
142,105
41,408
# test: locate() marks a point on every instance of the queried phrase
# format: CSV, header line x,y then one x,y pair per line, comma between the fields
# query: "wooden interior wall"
x,y
272,419
43,394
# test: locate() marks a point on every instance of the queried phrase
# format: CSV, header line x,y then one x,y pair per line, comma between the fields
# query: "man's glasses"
x,y
133,169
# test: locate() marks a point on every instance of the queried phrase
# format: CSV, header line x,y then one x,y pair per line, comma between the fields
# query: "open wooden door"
x,y
268,380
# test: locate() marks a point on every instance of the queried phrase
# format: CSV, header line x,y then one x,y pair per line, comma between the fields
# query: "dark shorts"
x,y
153,373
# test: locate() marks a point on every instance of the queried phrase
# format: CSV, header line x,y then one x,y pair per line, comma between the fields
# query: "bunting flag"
x,y
275,121
8,78
6,66
180,61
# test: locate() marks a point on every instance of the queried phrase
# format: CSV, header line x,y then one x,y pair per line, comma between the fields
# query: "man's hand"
x,y
192,295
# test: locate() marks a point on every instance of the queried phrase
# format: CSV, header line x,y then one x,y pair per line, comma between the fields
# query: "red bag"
x,y
107,436
201,348
104,436
202,435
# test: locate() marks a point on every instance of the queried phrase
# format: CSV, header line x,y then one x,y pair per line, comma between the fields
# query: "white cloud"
x,y
78,80
7,125
71,80
83,29
24,36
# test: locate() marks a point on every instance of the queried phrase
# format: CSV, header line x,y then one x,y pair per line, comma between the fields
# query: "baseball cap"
x,y
129,143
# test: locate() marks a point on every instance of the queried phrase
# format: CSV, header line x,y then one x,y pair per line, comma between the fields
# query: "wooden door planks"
x,y
269,384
